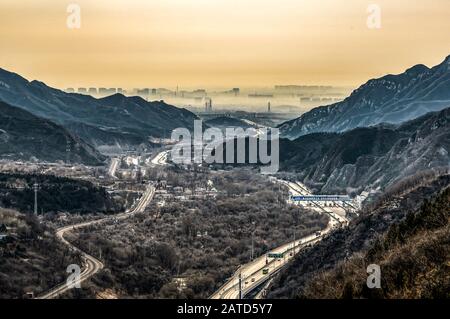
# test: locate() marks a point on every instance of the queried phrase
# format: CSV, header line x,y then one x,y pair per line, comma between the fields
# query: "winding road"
x,y
91,264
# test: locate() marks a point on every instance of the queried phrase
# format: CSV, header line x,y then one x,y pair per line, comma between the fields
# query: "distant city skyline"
x,y
220,44
179,90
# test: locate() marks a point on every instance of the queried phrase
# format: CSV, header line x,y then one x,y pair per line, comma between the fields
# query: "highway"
x,y
92,265
113,167
252,274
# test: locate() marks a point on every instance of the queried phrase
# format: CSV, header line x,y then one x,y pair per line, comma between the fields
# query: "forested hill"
x,y
56,194
406,233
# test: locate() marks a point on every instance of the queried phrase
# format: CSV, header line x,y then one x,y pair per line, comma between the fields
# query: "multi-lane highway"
x,y
253,274
92,265
258,271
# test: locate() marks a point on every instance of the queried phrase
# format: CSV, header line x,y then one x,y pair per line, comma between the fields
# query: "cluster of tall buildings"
x,y
95,91
301,88
208,105
283,98
199,94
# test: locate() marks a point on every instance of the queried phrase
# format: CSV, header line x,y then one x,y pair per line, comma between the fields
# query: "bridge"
x,y
321,198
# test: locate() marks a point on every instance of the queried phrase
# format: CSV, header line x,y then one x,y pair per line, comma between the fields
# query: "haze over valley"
x,y
224,150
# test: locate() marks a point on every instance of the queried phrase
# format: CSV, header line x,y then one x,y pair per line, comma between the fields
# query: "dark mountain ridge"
x,y
24,136
372,157
389,99
116,119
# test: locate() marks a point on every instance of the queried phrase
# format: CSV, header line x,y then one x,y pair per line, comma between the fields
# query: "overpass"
x,y
321,198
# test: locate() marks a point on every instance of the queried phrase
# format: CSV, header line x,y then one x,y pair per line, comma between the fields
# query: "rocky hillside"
x,y
390,99
406,233
24,136
373,157
112,120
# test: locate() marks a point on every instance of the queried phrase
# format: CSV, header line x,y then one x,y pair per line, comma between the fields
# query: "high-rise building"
x,y
199,93
144,91
268,107
208,105
106,91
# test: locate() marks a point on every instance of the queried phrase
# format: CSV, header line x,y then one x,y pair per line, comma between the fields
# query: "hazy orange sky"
x,y
219,43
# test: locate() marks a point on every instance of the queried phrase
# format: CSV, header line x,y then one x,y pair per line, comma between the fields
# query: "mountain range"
x,y
112,120
371,157
24,136
389,99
